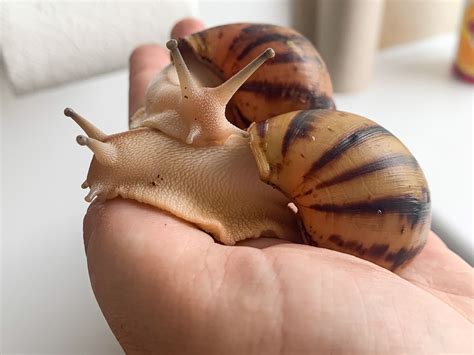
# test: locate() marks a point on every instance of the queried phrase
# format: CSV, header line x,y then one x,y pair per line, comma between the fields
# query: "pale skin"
x,y
166,287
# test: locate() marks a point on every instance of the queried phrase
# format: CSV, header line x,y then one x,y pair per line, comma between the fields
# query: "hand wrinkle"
x,y
434,288
271,261
364,310
400,324
204,270
218,286
179,257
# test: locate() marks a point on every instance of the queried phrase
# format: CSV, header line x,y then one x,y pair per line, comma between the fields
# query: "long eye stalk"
x,y
227,89
105,153
91,130
184,75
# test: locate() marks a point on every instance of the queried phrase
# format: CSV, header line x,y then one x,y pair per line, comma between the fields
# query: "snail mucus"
x,y
357,189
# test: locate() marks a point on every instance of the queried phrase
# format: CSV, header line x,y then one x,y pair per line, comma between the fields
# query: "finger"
x,y
145,62
185,27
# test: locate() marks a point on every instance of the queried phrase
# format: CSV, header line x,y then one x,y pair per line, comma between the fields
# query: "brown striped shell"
x,y
357,187
295,79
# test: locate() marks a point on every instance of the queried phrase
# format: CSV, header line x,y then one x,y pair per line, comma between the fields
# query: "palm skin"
x,y
166,287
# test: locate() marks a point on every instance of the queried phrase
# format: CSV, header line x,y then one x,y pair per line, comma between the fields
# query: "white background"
x,y
47,302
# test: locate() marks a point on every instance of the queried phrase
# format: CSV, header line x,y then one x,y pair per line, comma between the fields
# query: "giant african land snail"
x,y
356,187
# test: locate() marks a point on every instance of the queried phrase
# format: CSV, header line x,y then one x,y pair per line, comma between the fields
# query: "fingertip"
x,y
186,26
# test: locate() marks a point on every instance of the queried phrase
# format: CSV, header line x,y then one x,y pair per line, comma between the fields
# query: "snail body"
x,y
356,188
161,171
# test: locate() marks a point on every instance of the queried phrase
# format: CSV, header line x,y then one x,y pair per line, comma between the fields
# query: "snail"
x,y
339,180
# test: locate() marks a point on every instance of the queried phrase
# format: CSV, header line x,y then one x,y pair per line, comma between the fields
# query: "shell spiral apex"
x,y
356,187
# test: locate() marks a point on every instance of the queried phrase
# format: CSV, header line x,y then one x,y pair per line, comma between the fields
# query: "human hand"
x,y
166,287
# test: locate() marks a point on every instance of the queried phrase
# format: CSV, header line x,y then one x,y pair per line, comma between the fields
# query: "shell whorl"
x,y
295,79
357,187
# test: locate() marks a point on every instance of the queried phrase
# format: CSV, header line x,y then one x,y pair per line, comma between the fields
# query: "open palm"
x,y
166,287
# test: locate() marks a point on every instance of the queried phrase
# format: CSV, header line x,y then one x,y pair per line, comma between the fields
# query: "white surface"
x,y
47,302
48,43
48,305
